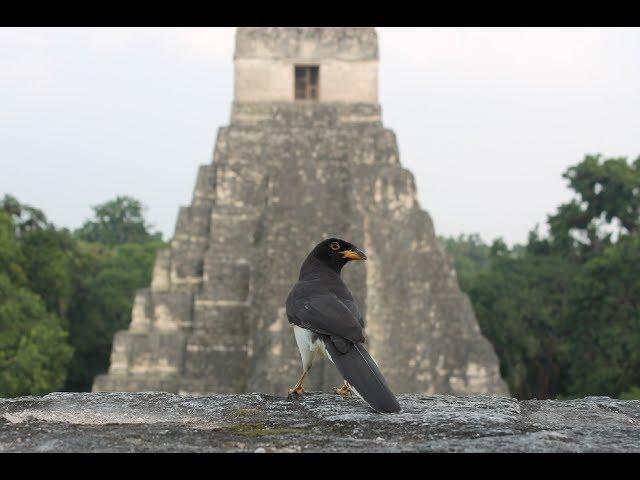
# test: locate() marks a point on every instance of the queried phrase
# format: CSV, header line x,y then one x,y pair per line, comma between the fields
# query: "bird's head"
x,y
336,253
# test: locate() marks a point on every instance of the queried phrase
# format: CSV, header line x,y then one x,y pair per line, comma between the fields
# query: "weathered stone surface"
x,y
264,59
285,175
319,422
307,42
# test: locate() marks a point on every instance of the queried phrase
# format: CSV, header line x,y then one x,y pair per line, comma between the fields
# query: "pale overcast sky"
x,y
486,119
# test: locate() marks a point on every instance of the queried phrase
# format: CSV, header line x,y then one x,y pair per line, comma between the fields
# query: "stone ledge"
x,y
319,422
305,115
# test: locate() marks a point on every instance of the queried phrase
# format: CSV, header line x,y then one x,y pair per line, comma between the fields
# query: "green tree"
x,y
49,255
471,256
599,229
117,222
10,252
115,259
25,217
520,302
603,324
63,295
606,206
106,281
44,254
34,352
563,311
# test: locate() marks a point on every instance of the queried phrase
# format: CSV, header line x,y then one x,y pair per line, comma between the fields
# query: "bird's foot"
x,y
295,392
344,390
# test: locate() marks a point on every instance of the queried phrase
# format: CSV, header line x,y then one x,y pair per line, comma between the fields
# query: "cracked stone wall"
x,y
284,175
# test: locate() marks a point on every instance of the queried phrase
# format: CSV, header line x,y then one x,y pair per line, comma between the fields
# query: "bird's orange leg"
x,y
344,390
297,389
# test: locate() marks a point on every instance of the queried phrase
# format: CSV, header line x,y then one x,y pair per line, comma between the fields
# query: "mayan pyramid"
x,y
305,157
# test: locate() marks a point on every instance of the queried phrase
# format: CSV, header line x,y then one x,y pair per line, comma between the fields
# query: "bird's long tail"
x,y
361,371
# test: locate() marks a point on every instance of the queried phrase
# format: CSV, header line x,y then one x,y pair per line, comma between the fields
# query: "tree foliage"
x,y
34,351
107,279
471,256
604,322
606,206
117,222
520,303
563,311
25,217
64,295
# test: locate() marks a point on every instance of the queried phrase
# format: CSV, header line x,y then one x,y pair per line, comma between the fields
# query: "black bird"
x,y
327,321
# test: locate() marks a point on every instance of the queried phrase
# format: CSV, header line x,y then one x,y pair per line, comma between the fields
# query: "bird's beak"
x,y
355,254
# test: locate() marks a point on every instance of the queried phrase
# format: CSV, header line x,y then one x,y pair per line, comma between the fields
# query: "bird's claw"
x,y
295,393
344,391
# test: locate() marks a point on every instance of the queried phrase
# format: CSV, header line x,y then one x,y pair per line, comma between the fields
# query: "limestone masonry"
x,y
286,173
319,422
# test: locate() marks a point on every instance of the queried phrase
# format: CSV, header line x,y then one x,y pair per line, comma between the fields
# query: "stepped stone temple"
x,y
305,157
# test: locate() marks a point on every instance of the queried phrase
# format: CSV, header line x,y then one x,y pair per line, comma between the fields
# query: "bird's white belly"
x,y
304,338
309,349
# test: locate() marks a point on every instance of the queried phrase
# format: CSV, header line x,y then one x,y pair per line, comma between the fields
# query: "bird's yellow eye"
x,y
335,246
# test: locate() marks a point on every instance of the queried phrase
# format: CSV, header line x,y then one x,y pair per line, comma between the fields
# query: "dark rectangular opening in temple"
x,y
306,77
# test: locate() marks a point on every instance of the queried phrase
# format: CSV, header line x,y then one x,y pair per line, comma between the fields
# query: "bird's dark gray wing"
x,y
325,314
353,308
